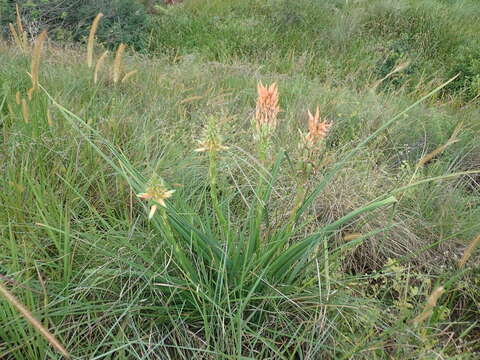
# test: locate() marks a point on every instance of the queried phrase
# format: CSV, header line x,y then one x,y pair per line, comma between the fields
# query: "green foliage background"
x,y
436,37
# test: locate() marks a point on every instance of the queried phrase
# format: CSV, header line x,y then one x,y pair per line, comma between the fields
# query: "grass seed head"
x,y
49,118
468,252
19,20
19,35
435,153
117,63
91,39
15,37
25,111
98,66
37,51
129,75
431,303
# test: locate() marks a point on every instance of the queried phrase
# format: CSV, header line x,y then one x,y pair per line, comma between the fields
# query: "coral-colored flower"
x,y
317,130
267,107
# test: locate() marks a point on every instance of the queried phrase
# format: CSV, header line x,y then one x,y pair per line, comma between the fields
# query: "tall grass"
x,y
91,39
117,63
36,54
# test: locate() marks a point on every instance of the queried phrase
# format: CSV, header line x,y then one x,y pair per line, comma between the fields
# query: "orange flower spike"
x,y
317,130
267,107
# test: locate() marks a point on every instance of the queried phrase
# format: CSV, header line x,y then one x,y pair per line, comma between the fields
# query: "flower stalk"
x,y
212,144
265,120
312,154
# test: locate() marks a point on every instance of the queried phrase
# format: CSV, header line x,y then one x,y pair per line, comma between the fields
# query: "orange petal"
x,y
153,209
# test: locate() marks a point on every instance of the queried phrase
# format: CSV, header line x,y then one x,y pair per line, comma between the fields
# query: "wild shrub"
x,y
124,21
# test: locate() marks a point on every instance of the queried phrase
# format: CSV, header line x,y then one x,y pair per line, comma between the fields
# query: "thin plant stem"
x,y
12,300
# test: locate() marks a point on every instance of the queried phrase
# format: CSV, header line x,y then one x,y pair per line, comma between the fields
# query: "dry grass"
x,y
430,156
431,303
468,252
349,190
49,118
19,35
36,54
129,75
99,65
117,63
15,37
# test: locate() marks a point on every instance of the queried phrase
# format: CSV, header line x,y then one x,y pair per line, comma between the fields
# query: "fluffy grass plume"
x,y
36,54
19,35
399,67
117,63
468,252
15,37
49,118
129,75
19,21
430,156
91,39
99,65
431,303
270,250
12,300
25,111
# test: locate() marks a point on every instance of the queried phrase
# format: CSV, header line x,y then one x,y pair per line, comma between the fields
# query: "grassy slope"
x,y
333,40
71,219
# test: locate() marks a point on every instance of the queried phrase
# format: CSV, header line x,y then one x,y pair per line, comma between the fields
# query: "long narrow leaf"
x,y
328,177
300,249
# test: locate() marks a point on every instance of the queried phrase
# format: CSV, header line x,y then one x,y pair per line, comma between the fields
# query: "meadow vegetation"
x,y
178,195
